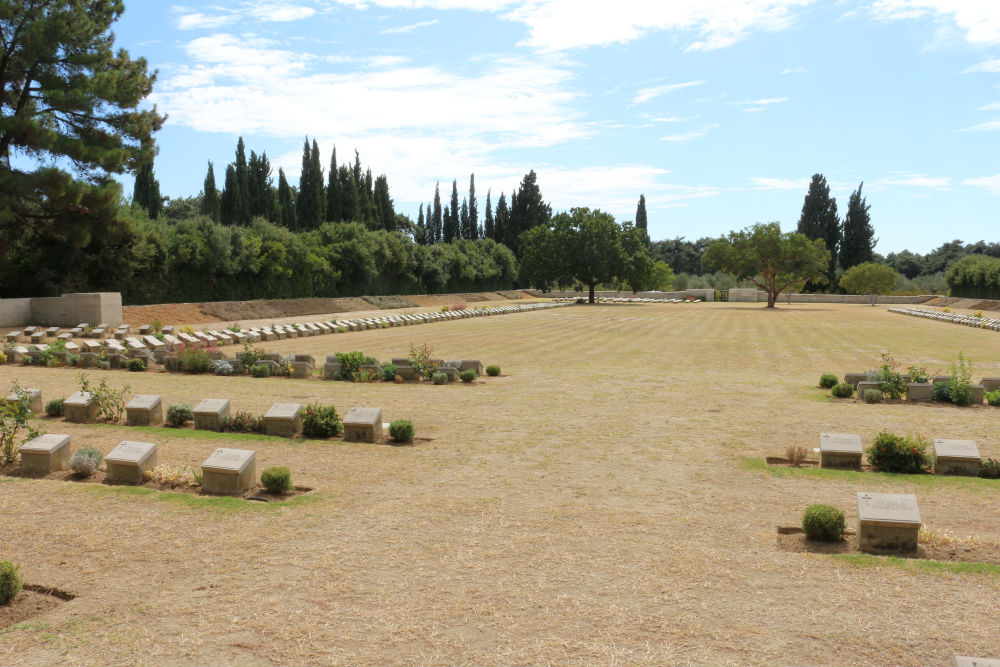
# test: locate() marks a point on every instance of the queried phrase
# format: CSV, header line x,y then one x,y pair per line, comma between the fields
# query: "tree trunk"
x,y
591,292
771,298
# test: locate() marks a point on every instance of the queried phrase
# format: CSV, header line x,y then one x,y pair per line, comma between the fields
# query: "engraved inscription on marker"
x,y
363,424
840,450
145,410
44,454
129,461
209,413
888,522
283,419
229,471
956,457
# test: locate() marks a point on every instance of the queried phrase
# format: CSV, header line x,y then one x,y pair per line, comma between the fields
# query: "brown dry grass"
x,y
588,507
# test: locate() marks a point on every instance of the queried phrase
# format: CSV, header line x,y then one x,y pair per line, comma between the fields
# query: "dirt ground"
x,y
605,501
281,309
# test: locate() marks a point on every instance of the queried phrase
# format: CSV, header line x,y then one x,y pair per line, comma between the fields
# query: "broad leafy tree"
x,y
858,243
67,98
584,246
869,278
769,259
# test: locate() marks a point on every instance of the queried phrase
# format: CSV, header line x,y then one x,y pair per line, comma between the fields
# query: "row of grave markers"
x,y
922,391
991,323
951,457
626,299
146,344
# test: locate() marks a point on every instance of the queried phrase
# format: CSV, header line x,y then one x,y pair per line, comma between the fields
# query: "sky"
x,y
718,111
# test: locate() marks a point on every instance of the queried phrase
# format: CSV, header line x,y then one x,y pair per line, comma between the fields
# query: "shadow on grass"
x,y
917,565
221,504
975,484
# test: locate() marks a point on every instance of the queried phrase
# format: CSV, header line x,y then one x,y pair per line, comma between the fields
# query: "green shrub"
x,y
960,386
872,396
993,398
110,402
320,421
827,380
421,360
388,372
136,365
468,375
842,390
276,479
250,355
54,408
14,417
193,360
178,415
891,382
350,362
493,371
824,523
10,581
402,430
260,371
990,468
919,374
895,453
222,367
242,422
86,460
439,378
941,392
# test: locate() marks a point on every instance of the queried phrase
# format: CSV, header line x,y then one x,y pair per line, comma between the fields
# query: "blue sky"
x,y
719,111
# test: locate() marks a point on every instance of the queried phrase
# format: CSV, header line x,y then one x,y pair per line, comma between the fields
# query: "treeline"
x,y
975,276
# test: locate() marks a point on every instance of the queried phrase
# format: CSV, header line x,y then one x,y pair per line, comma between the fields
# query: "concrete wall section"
x,y
67,310
14,312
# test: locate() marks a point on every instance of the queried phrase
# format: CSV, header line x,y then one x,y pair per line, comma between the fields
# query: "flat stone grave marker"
x,y
301,369
129,461
919,391
363,424
209,413
840,450
34,400
990,384
44,454
474,364
30,330
283,419
13,336
169,329
229,471
888,522
52,331
80,408
308,358
92,346
145,329
67,337
154,342
144,410
331,369
956,457
967,661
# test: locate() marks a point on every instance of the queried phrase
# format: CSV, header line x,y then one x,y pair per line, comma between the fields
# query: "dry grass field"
x,y
603,502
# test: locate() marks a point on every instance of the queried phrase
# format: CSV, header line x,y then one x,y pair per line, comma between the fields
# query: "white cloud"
x,y
666,119
693,134
281,13
198,20
405,29
992,106
978,19
991,183
262,10
985,66
780,184
647,94
759,105
987,126
794,70
917,181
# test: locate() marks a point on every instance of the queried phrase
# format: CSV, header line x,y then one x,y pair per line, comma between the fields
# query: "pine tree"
x,y
438,222
473,210
640,216
858,244
502,220
286,208
527,210
146,192
488,227
334,197
819,220
210,196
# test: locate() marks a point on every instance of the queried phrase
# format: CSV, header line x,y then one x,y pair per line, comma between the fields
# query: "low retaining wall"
x,y
703,294
760,296
67,310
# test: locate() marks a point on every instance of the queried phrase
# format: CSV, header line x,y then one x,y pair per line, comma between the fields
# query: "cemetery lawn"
x,y
593,505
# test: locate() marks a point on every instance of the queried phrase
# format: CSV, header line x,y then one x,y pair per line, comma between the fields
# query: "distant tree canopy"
x,y
770,259
588,247
66,97
975,276
869,278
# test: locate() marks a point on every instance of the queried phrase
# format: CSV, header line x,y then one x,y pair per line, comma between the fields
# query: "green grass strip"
x,y
192,434
918,564
221,504
975,484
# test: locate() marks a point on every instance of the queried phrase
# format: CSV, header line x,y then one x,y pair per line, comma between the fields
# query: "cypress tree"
x,y
502,220
386,215
146,191
527,210
421,233
348,194
286,208
260,193
368,201
241,183
640,215
452,222
210,197
488,230
464,221
473,210
319,194
228,207
438,222
819,221
858,244
310,207
334,203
